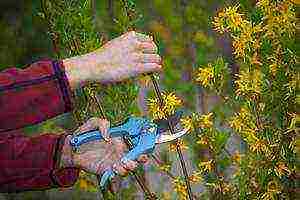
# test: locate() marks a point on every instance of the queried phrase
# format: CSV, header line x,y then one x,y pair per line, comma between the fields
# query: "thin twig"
x,y
179,152
141,182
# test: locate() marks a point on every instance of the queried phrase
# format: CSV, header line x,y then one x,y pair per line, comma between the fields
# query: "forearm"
x,y
34,94
32,163
86,68
74,66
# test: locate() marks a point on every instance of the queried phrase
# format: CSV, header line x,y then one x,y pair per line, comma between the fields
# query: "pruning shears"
x,y
142,133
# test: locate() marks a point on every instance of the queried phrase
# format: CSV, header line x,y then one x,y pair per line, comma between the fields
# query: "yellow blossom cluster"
x,y
203,140
236,157
267,61
249,83
180,188
197,121
280,18
281,169
85,183
205,76
228,19
243,32
273,188
187,123
259,146
221,187
243,123
165,168
170,103
180,143
206,166
205,121
196,177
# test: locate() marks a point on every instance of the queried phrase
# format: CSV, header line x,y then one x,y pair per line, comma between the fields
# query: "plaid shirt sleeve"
x,y
29,96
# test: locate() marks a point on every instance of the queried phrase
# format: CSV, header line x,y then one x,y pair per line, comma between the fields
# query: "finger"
x,y
143,37
147,47
103,125
127,35
83,128
115,184
130,165
120,169
144,68
150,58
143,158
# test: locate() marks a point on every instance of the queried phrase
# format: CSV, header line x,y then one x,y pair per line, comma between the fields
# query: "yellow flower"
x,y
171,102
187,123
255,60
219,22
86,185
244,123
196,177
249,83
222,187
83,184
234,18
197,121
181,145
273,188
283,22
165,168
205,75
202,141
239,47
294,82
206,165
259,147
228,19
282,169
236,157
180,188
206,121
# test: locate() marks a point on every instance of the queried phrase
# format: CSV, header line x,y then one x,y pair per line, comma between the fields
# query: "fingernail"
x,y
107,139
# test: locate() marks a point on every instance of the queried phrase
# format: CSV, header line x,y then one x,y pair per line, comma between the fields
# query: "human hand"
x,y
98,156
127,56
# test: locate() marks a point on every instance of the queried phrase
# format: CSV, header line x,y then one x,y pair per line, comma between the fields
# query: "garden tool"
x,y
142,133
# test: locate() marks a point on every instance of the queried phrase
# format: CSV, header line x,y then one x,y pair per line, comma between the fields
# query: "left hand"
x,y
127,56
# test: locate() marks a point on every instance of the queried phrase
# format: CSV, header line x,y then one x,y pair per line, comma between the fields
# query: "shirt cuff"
x,y
59,70
66,176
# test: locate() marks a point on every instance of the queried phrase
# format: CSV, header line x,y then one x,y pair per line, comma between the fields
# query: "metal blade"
x,y
173,119
162,138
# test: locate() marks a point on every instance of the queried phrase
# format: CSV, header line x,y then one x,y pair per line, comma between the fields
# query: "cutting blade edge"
x,y
168,137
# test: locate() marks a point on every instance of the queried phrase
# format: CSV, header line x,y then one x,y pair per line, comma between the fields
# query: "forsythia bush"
x,y
259,106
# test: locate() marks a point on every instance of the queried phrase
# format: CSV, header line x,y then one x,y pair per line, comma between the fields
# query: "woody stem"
x,y
179,152
138,178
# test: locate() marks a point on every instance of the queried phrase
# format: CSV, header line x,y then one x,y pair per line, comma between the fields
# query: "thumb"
x,y
104,125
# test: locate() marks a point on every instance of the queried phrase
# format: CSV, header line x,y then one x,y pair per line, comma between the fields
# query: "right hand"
x,y
127,56
98,156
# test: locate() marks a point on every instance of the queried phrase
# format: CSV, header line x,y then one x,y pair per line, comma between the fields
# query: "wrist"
x,y
66,159
85,68
77,71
